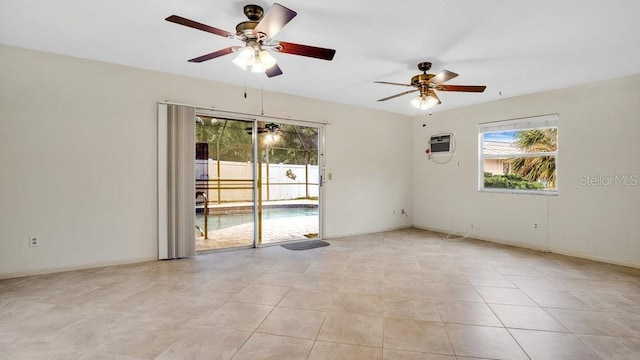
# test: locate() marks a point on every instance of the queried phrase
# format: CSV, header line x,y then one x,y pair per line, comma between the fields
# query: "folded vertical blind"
x,y
176,181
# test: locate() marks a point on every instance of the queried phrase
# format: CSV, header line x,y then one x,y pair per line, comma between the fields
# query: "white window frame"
x,y
528,123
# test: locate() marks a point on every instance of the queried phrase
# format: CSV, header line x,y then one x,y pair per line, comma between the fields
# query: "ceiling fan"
x,y
426,84
257,33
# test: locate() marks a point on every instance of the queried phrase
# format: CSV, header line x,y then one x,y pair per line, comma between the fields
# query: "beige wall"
x,y
78,142
588,218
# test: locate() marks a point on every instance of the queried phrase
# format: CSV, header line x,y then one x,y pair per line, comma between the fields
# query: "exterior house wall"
x,y
494,166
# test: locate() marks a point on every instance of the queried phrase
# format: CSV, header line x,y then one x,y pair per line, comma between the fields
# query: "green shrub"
x,y
510,181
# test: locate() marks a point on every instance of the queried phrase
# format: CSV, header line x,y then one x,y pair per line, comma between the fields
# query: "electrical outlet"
x,y
34,241
535,226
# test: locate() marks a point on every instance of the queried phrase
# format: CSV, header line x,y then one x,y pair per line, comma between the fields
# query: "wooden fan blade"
x,y
274,20
305,50
273,71
443,76
462,88
398,95
199,26
213,55
390,83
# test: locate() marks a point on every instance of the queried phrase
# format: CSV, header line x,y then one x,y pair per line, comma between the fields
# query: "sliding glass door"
x,y
225,201
288,200
256,182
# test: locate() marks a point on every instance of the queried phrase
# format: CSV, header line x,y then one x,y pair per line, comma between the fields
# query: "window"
x,y
519,155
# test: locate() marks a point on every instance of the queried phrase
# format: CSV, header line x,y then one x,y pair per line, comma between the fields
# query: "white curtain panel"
x,y
176,181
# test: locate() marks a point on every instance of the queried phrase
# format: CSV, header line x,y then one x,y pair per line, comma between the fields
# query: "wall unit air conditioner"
x,y
441,144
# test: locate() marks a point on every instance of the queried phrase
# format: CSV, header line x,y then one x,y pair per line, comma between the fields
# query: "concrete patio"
x,y
274,230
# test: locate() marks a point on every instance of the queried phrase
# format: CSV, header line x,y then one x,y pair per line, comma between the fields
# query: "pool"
x,y
231,218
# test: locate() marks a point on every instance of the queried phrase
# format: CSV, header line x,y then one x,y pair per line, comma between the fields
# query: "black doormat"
x,y
305,245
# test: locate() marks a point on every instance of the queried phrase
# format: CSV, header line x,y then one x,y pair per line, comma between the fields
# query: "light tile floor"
x,y
406,294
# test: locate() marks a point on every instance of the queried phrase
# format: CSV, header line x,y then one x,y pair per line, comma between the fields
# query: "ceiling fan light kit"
x,y
424,102
252,56
257,33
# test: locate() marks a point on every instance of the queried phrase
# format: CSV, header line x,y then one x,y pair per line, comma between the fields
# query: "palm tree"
x,y
537,168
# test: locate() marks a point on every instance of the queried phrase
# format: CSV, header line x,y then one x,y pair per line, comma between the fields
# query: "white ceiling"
x,y
514,47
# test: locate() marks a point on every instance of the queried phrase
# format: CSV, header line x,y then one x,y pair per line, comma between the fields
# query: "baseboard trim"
x,y
595,258
554,250
334,236
53,270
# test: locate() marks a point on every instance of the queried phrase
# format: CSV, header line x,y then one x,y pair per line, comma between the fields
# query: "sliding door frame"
x,y
254,119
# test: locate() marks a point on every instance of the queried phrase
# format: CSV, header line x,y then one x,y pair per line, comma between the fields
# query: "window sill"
x,y
523,192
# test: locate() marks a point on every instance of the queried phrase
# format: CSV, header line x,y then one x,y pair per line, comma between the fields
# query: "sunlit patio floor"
x,y
274,230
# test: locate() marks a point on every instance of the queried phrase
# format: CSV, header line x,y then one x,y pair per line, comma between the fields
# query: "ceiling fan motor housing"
x,y
421,79
245,29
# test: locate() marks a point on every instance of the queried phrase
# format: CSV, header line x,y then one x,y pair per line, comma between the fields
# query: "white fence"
x,y
283,182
